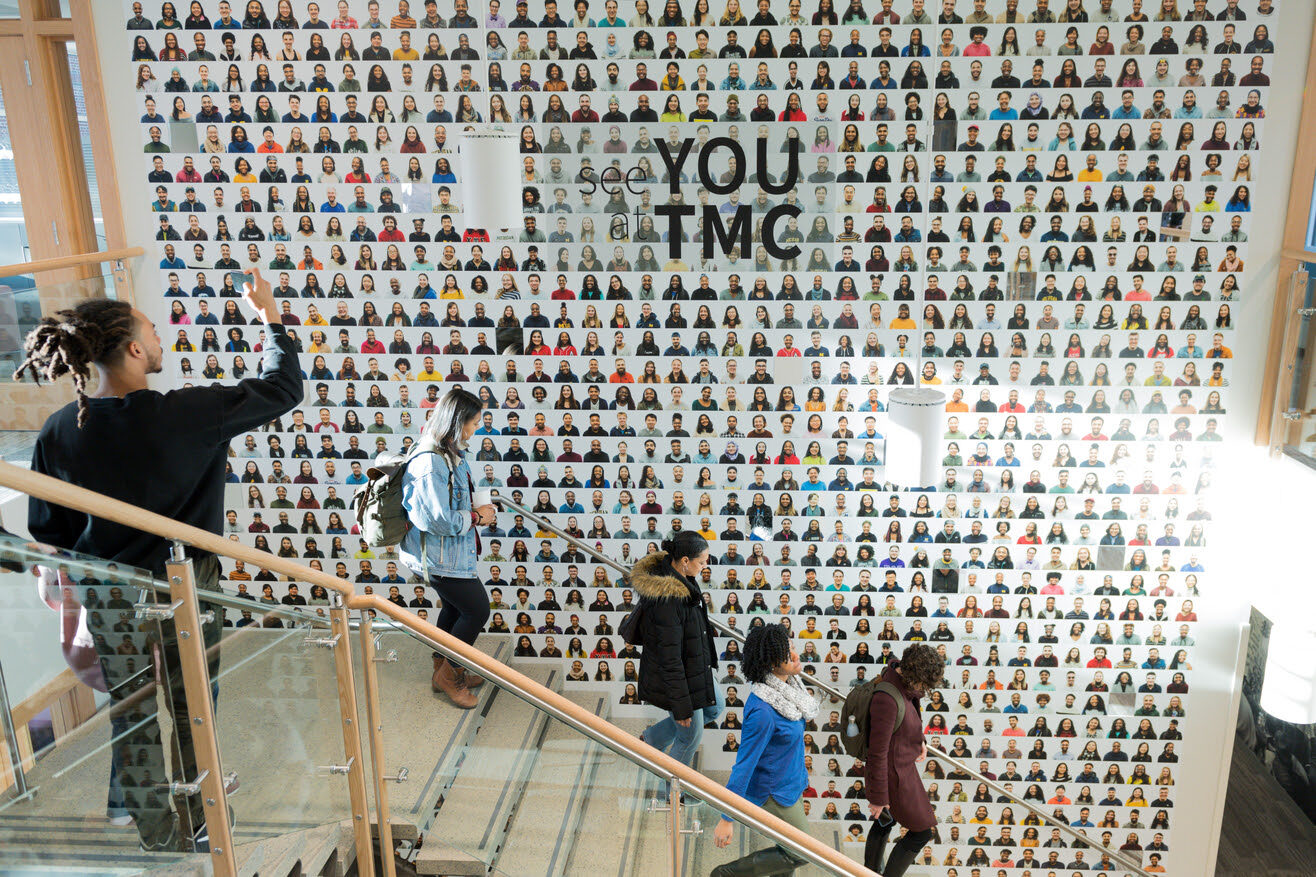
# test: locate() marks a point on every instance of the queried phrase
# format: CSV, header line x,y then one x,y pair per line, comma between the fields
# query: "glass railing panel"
x,y
747,844
23,304
93,746
583,808
280,729
406,702
507,784
514,786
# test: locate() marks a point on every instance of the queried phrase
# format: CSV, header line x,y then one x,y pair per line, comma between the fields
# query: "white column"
x,y
490,180
913,436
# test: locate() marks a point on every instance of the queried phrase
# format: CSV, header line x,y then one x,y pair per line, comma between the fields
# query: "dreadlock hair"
x,y
765,649
70,342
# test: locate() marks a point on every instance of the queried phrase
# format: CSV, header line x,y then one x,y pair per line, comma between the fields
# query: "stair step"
x,y
85,846
491,772
433,756
624,838
544,828
402,830
15,837
299,852
84,843
438,858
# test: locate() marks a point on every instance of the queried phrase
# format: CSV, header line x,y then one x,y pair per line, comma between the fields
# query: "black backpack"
x,y
856,715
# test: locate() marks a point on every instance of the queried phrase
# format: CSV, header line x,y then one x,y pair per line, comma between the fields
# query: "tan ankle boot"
x,y
445,678
439,663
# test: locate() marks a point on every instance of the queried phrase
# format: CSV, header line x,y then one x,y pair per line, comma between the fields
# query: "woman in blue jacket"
x,y
769,768
442,543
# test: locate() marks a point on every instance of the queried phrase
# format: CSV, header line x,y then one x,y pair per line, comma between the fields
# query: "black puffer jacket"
x,y
678,657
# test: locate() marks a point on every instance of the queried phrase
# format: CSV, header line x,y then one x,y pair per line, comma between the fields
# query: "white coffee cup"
x,y
483,498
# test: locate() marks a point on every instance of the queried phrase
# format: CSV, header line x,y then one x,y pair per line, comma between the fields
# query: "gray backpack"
x,y
378,503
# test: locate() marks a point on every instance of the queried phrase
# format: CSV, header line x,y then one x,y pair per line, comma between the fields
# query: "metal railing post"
x,y
375,733
200,716
347,709
10,734
675,840
553,528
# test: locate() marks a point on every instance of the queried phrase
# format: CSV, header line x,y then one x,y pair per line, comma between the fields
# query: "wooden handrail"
x,y
80,499
60,262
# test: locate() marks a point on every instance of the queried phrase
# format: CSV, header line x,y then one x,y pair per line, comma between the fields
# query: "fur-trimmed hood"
x,y
654,578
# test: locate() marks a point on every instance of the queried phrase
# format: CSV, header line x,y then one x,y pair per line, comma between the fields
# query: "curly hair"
x,y
765,649
71,341
921,666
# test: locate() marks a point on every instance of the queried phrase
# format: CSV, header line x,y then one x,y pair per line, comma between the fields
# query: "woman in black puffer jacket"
x,y
678,657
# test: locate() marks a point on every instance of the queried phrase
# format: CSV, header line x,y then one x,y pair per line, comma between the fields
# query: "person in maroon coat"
x,y
891,779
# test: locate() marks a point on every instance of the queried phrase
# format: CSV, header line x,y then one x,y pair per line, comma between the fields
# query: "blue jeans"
x,y
712,712
680,742
677,741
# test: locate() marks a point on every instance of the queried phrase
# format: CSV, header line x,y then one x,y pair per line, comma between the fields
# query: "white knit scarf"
x,y
789,697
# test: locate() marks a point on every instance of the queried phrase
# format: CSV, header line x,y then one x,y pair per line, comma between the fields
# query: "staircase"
x,y
502,790
91,847
516,793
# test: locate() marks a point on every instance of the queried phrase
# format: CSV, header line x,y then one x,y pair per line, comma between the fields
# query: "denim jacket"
x,y
438,505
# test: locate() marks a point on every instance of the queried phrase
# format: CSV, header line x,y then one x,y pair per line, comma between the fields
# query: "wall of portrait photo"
x,y
741,229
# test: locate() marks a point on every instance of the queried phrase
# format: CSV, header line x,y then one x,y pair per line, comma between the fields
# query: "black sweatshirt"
x,y
164,452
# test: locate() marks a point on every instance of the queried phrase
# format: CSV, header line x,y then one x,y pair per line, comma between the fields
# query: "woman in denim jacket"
x,y
438,494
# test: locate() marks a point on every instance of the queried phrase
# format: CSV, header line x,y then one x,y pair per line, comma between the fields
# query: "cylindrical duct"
x,y
490,179
1289,690
912,437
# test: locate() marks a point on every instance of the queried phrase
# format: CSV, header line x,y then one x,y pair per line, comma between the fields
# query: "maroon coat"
x,y
891,776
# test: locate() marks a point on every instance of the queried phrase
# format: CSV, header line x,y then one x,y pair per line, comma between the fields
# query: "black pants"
x,y
465,607
902,854
128,648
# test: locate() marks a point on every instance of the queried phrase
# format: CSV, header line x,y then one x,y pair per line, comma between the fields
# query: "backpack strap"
x,y
424,554
899,698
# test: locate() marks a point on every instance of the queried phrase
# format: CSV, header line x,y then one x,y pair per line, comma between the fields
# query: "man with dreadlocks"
x,y
164,452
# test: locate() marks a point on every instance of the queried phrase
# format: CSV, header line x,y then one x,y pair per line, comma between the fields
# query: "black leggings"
x,y
465,607
902,854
